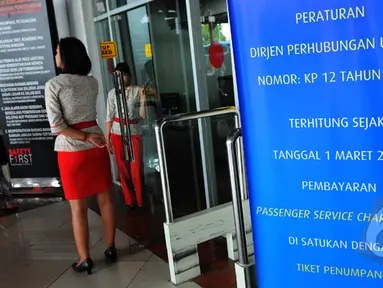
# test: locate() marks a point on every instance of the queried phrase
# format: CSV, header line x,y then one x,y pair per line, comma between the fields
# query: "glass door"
x,y
217,64
131,31
154,40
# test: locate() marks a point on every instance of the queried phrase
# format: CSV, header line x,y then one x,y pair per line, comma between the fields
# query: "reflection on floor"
x,y
29,203
37,250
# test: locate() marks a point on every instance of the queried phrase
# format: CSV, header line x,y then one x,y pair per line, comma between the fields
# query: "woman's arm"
x,y
110,114
109,135
142,104
108,129
96,139
75,134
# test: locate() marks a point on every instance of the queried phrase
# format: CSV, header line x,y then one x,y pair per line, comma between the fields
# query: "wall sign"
x,y
108,50
148,50
310,88
26,64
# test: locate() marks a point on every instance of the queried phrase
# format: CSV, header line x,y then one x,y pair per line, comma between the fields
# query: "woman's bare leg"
x,y
108,217
80,227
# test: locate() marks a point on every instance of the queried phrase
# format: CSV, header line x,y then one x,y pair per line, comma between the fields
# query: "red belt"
x,y
133,121
83,125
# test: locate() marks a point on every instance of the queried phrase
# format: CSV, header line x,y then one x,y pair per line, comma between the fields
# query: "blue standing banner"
x,y
311,97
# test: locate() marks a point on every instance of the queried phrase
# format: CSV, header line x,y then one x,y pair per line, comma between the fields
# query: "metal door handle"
x,y
148,113
126,136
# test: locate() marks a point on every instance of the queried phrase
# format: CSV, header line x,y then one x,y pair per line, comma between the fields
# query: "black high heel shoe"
x,y
130,207
85,266
111,254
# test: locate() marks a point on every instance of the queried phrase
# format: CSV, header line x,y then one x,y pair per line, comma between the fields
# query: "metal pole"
x,y
240,162
242,171
237,198
120,114
164,171
128,135
161,147
199,115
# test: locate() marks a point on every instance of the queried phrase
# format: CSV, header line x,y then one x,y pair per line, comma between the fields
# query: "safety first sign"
x,y
108,50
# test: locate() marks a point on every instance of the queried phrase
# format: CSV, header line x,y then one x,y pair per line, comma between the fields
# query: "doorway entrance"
x,y
154,40
131,31
176,55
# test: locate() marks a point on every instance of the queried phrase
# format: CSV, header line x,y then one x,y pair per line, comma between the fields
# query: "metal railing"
x,y
237,173
236,194
161,147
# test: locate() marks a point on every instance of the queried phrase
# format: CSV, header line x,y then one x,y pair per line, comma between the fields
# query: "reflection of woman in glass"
x,y
149,70
130,172
83,158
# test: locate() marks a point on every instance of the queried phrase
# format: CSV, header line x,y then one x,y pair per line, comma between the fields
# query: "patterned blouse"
x,y
133,93
71,99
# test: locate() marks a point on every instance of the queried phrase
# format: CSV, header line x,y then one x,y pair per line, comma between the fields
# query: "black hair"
x,y
123,67
74,57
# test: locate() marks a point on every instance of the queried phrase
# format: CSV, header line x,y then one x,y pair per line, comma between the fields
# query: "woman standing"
x,y
130,172
83,158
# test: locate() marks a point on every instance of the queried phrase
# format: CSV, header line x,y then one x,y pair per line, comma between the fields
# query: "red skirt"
x,y
85,173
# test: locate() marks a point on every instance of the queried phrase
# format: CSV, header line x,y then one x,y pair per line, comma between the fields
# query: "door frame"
x,y
109,13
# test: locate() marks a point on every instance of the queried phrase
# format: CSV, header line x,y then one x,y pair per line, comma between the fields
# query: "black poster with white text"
x,y
26,64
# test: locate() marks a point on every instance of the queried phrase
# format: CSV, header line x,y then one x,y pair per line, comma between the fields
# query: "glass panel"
x,y
141,46
113,4
103,34
121,35
216,41
216,38
183,158
185,166
172,56
99,7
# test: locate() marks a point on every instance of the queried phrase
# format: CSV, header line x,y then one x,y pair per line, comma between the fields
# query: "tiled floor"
x,y
146,228
37,250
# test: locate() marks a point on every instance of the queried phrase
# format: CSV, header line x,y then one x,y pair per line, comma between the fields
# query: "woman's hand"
x,y
96,139
143,94
109,144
